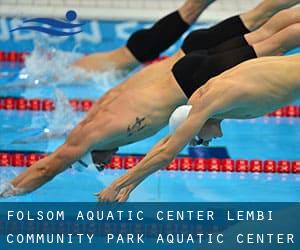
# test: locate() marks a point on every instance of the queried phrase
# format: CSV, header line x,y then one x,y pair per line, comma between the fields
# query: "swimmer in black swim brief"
x,y
199,66
141,104
148,44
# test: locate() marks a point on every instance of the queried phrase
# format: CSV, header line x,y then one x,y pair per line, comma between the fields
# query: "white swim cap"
x,y
178,117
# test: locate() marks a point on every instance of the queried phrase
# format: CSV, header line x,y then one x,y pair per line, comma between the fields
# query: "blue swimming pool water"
x,y
264,138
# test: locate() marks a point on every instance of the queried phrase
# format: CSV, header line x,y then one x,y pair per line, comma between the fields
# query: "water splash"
x,y
63,119
8,190
58,122
48,66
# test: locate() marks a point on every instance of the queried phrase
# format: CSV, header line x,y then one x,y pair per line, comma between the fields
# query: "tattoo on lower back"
x,y
137,126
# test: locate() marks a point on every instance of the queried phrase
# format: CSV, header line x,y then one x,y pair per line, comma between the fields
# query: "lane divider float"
x,y
84,105
26,159
19,57
13,56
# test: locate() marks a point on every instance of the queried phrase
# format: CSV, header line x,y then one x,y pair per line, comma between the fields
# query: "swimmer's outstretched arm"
x,y
163,153
43,171
81,139
159,157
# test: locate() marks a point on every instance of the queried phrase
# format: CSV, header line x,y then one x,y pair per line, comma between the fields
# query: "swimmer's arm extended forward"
x,y
47,168
41,172
159,157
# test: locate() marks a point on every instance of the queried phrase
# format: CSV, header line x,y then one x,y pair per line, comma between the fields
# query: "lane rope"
x,y
13,56
19,57
84,105
26,159
21,159
11,103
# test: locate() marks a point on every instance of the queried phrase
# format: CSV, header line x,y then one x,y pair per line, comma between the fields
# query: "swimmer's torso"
x,y
143,103
154,89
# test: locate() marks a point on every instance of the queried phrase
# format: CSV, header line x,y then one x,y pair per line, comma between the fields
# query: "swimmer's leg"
x,y
229,34
147,44
279,43
256,17
280,21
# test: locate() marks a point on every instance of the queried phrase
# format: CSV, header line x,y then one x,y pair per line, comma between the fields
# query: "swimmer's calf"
x,y
125,239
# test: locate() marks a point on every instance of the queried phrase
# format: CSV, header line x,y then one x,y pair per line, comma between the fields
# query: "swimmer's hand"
x,y
124,194
7,190
110,194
